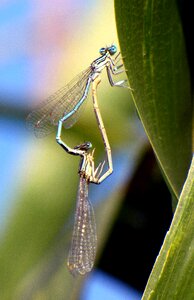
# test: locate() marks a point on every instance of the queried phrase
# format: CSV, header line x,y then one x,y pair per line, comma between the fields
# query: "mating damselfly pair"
x,y
63,109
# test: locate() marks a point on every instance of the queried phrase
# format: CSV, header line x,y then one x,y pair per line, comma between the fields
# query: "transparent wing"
x,y
83,245
45,117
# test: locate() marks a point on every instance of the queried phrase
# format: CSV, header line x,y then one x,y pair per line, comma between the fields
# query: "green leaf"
x,y
152,44
173,273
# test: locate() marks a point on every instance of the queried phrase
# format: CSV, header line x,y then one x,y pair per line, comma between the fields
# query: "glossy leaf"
x,y
152,43
173,273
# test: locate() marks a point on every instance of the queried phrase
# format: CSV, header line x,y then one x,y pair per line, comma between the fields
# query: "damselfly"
x,y
63,107
84,240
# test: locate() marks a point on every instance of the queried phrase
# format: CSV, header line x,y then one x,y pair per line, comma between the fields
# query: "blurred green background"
x,y
44,45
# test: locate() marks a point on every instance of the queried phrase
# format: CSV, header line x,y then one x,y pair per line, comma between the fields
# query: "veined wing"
x,y
83,245
56,106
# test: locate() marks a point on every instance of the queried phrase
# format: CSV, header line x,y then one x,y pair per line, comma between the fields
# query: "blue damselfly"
x,y
63,107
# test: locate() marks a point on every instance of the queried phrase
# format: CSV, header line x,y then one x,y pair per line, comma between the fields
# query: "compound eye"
x,y
102,51
88,145
112,49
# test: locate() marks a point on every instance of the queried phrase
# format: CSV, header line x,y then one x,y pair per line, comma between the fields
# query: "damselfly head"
x,y
85,146
111,50
103,51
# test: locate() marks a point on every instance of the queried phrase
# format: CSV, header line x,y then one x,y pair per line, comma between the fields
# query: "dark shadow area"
x,y
141,226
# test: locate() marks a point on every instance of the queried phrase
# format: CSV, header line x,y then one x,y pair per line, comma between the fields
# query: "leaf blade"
x,y
173,273
152,43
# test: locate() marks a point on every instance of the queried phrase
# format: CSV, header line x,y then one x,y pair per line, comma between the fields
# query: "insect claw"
x,y
93,151
116,68
117,56
99,169
118,59
119,72
120,83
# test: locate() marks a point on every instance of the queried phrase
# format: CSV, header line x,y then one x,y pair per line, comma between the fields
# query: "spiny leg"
x,y
117,59
97,172
120,83
118,54
114,65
